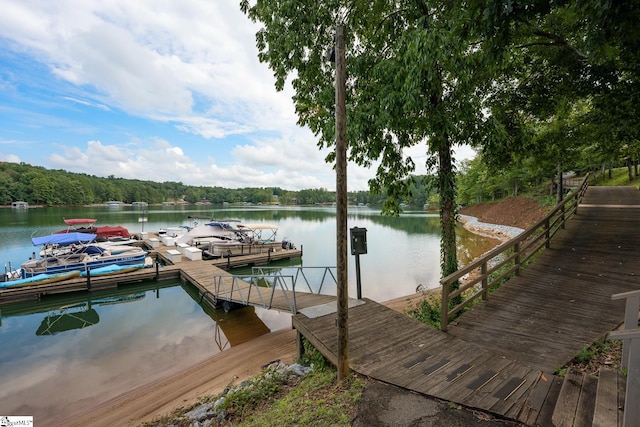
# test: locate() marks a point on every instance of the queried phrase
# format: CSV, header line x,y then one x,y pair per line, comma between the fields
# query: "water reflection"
x,y
66,352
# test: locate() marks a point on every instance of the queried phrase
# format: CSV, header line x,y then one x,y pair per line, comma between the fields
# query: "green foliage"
x,y
427,310
590,358
568,85
413,77
585,355
312,357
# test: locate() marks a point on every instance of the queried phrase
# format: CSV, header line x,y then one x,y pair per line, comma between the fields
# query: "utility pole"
x,y
341,206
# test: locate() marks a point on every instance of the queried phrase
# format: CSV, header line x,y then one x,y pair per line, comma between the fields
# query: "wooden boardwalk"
x,y
562,302
500,355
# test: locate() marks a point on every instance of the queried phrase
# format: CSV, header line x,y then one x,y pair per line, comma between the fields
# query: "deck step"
x,y
564,413
609,402
584,400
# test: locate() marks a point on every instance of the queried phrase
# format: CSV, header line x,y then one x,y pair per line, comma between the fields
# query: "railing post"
x,y
444,314
516,260
562,218
631,416
547,234
485,281
631,308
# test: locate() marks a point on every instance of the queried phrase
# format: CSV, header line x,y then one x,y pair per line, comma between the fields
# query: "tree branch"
x,y
560,41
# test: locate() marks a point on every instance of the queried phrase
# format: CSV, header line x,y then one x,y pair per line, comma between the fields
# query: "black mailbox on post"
x,y
358,241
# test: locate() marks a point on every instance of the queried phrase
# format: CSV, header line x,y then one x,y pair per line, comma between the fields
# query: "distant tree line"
x,y
39,186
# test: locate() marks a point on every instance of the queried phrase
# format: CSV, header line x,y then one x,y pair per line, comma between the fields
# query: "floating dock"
x,y
171,262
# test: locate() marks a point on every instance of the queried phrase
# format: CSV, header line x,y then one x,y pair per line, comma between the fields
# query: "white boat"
x,y
210,231
76,252
256,239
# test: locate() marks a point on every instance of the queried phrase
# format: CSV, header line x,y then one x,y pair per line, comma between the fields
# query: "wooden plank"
x,y
567,404
512,406
477,371
606,407
546,411
622,388
586,404
536,399
483,396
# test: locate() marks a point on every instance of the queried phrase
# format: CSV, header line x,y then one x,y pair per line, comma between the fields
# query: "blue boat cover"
x,y
63,239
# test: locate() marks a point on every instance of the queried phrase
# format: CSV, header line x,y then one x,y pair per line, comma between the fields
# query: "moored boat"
x,y
253,239
212,230
40,279
114,269
102,232
75,252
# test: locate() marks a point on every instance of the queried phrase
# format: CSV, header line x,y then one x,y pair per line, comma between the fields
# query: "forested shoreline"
x,y
40,186
54,187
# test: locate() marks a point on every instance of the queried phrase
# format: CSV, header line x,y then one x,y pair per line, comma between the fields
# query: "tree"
x,y
570,79
412,78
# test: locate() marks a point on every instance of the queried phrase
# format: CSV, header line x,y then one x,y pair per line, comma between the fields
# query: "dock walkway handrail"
x,y
264,283
506,259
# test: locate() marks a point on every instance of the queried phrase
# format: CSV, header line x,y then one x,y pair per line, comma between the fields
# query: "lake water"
x,y
69,351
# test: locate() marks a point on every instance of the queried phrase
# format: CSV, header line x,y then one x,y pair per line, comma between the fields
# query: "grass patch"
x,y
318,400
619,177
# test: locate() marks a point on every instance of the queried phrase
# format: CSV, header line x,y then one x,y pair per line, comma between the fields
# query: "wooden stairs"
x,y
578,400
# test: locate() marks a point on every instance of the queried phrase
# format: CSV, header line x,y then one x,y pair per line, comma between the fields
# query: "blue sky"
x,y
152,90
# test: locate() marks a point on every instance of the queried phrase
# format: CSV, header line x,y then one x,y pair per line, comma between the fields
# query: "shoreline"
x,y
205,378
173,391
496,231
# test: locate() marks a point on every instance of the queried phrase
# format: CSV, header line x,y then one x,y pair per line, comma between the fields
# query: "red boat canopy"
x,y
79,221
109,231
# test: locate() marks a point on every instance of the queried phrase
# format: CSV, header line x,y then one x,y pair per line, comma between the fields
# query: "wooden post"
x,y
547,234
444,312
631,308
341,206
631,416
485,281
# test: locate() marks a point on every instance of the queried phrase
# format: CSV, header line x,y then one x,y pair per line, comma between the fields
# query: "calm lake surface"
x,y
66,352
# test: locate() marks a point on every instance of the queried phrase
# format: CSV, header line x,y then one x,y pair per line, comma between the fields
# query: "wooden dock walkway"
x,y
501,355
201,273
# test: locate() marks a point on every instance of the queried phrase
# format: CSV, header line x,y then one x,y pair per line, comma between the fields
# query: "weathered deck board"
x,y
498,356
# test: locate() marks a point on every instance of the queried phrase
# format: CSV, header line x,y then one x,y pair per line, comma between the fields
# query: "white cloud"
x,y
191,64
11,158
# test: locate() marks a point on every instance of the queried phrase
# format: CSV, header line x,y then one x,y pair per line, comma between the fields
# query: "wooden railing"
x,y
630,335
506,260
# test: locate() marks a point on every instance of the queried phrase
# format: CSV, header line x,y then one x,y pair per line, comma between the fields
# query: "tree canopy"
x,y
544,83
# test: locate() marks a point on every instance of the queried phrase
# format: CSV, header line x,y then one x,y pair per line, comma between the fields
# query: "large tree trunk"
x,y
447,187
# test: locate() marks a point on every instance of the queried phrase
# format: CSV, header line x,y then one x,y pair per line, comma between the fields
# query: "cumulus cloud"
x,y
191,66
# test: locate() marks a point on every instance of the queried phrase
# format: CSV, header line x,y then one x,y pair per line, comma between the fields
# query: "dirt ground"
x,y
211,376
520,212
